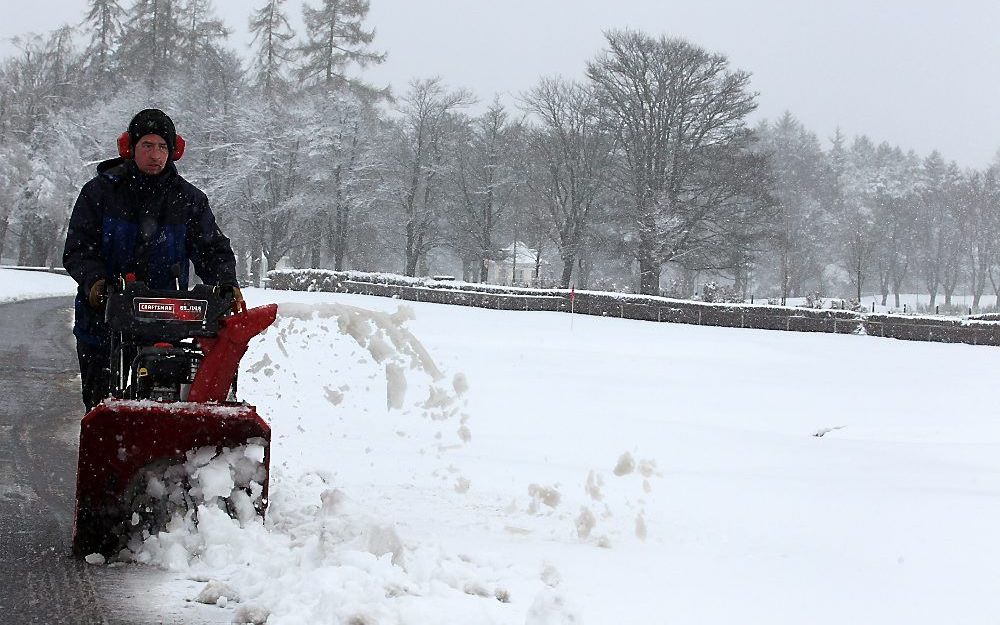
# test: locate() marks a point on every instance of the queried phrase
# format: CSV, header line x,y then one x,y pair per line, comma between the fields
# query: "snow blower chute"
x,y
174,359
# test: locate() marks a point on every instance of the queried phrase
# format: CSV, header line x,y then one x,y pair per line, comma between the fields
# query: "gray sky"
x,y
921,74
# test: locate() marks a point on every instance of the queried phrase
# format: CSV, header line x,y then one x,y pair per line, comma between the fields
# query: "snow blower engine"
x,y
174,360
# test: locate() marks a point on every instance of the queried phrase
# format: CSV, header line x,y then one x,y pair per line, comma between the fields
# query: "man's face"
x,y
151,154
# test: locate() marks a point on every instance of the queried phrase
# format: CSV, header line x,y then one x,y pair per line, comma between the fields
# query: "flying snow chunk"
x,y
460,383
626,464
548,495
585,523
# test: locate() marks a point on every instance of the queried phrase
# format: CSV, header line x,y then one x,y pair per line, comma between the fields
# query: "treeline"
x,y
643,176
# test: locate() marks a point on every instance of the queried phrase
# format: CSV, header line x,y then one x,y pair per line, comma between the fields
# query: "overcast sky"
x,y
921,74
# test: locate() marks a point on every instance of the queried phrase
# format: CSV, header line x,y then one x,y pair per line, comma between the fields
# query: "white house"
x,y
518,267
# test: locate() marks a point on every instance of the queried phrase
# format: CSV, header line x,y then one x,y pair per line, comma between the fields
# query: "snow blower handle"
x,y
233,298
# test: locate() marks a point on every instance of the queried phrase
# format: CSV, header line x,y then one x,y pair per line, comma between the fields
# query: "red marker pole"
x,y
572,304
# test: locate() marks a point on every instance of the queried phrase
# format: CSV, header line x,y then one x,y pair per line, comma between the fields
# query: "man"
x,y
138,215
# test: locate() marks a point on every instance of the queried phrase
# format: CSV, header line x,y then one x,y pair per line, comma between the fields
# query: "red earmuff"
x,y
125,147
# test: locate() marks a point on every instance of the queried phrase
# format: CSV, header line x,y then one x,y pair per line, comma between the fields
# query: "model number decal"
x,y
170,308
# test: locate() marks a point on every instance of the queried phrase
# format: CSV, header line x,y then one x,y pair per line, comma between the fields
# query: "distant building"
x,y
517,268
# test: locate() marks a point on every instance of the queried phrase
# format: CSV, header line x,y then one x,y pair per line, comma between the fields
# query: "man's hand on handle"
x,y
236,294
97,295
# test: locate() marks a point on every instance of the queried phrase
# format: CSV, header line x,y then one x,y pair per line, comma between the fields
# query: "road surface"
x,y
40,411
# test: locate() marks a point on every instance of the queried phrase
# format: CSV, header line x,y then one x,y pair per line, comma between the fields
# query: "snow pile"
x,y
176,500
346,382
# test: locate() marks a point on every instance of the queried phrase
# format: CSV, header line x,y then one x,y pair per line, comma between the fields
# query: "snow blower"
x,y
174,360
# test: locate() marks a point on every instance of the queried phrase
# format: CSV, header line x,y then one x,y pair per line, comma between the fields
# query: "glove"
x,y
96,296
235,293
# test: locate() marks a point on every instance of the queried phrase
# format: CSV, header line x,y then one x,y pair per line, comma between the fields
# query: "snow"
x,y
17,285
445,464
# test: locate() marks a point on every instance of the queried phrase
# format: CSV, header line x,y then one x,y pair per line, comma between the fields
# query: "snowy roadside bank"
x,y
16,285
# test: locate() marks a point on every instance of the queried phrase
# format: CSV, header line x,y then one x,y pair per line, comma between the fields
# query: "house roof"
x,y
525,254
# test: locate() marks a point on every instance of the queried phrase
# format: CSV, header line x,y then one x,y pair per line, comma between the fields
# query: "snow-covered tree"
x,y
103,26
56,173
423,157
260,183
488,173
800,174
15,166
935,229
679,112
570,155
338,132
272,50
202,35
338,42
150,42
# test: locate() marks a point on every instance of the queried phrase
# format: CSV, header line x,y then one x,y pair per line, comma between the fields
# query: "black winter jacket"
x,y
128,222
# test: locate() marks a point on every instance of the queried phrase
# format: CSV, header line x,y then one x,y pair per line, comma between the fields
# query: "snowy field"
x,y
439,464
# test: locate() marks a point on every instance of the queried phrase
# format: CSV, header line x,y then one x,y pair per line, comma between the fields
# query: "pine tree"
x,y
201,35
104,24
337,41
149,45
271,36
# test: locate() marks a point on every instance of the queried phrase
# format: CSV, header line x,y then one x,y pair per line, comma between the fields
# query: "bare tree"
x,y
422,160
675,108
934,225
981,202
571,157
488,173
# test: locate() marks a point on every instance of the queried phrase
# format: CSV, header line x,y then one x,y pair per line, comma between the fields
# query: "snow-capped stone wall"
x,y
970,330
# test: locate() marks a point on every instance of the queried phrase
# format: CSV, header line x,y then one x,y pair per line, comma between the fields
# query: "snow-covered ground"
x,y
444,464
16,285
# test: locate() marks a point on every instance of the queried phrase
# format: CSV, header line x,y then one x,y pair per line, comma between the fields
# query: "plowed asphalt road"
x,y
40,411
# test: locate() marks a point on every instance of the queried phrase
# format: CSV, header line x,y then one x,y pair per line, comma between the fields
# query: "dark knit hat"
x,y
152,122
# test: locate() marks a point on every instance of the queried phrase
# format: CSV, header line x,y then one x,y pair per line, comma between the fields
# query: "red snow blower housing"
x,y
174,359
